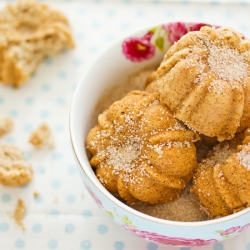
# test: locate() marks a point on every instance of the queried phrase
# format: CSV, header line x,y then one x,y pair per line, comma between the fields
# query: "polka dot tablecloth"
x,y
63,215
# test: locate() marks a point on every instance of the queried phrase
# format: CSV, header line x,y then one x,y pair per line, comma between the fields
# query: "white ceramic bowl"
x,y
125,57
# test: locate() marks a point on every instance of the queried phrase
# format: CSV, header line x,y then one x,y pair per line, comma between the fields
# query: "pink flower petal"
x,y
167,240
138,49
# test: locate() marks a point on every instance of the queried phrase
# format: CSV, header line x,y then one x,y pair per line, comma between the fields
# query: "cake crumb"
x,y
55,200
19,213
6,124
41,136
35,194
14,170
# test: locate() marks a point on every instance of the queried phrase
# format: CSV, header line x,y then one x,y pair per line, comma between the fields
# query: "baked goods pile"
x,y
29,32
143,148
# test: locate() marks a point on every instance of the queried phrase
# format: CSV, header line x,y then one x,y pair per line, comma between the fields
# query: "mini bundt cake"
x,y
222,180
204,80
140,151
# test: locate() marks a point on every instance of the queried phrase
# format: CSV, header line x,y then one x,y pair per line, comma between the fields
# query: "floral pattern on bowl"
x,y
137,49
167,240
127,223
232,231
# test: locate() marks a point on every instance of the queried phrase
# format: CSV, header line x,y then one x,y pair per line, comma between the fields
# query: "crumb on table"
x,y
14,169
35,194
6,124
41,136
55,200
19,213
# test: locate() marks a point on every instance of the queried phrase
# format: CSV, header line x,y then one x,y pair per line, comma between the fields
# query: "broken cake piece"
x,y
41,136
14,169
29,32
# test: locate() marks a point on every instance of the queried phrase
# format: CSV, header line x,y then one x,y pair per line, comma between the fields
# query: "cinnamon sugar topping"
x,y
217,87
244,158
121,157
226,63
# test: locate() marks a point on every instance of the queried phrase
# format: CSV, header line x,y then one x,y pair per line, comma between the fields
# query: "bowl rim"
x,y
97,183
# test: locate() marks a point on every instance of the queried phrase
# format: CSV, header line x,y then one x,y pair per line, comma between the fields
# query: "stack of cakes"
x,y
144,148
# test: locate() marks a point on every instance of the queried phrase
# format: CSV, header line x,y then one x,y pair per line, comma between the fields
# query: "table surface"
x,y
63,215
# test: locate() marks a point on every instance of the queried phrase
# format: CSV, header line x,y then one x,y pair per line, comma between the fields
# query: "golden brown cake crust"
x,y
204,79
29,32
151,84
140,151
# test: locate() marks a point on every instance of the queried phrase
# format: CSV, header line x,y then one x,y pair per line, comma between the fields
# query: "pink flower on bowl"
x,y
175,31
229,231
244,228
94,196
167,240
178,29
196,26
138,49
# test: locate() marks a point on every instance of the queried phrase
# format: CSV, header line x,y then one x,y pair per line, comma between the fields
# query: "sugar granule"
x,y
226,63
244,158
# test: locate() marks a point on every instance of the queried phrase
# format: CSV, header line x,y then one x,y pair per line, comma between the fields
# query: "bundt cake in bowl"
x,y
139,149
221,182
204,79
